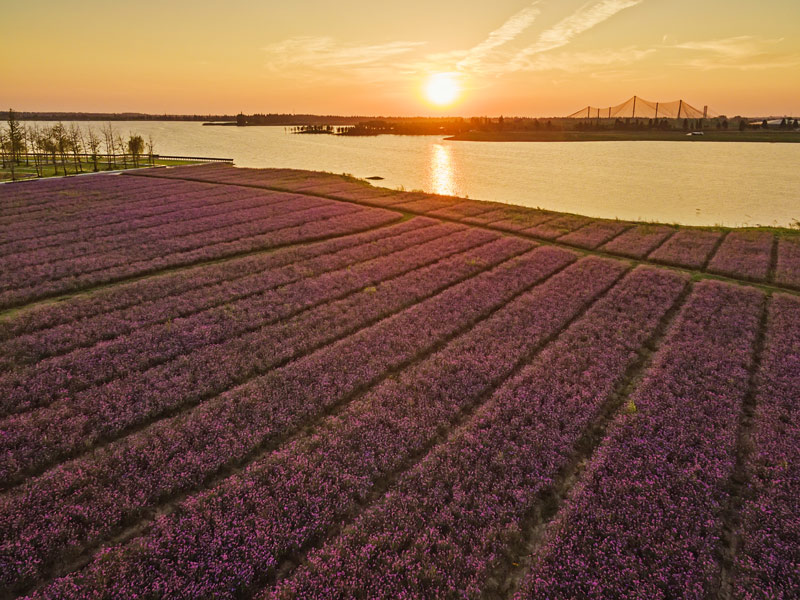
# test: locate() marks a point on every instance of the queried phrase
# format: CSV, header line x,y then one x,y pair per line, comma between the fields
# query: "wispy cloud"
x,y
506,33
326,53
742,53
327,58
563,32
581,61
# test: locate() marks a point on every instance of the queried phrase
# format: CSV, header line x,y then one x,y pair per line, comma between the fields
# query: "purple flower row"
x,y
259,304
229,538
787,270
424,205
687,248
56,217
32,440
447,524
594,234
54,221
558,227
59,340
143,292
462,208
178,208
117,482
53,199
744,254
167,239
307,226
513,218
638,241
647,520
768,562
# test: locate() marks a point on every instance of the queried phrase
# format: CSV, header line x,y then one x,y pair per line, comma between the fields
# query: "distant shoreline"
x,y
709,135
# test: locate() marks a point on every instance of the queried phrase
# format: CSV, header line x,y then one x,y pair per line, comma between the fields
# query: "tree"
x,y
150,145
94,145
61,140
764,124
35,137
50,146
742,124
76,145
725,124
5,153
686,124
15,136
110,144
121,147
135,147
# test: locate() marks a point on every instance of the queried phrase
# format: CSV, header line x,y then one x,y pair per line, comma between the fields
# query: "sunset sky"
x,y
510,57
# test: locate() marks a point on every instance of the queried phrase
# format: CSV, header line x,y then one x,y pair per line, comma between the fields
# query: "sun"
x,y
442,89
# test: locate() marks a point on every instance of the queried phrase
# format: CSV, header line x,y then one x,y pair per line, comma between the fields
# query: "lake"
x,y
693,183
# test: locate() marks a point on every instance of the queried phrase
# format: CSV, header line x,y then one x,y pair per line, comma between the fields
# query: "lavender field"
x,y
268,383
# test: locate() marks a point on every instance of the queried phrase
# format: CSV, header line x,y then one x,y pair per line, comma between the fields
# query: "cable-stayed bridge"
x,y
637,107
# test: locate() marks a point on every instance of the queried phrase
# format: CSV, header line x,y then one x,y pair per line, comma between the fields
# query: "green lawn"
x,y
24,171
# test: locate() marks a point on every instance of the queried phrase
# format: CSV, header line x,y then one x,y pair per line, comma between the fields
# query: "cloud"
x,y
741,53
325,53
563,32
506,33
576,61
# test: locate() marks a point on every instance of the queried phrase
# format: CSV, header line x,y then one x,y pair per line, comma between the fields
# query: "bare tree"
x,y
122,148
61,139
150,148
35,140
5,153
76,145
15,135
110,143
93,142
50,146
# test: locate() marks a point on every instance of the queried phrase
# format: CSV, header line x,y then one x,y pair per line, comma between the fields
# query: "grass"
x,y
24,171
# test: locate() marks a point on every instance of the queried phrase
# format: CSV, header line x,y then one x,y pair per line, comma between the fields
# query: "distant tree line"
x,y
57,149
127,116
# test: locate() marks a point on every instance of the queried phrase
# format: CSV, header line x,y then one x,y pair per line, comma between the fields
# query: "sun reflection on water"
x,y
442,171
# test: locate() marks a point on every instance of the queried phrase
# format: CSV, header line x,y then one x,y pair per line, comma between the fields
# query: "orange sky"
x,y
543,58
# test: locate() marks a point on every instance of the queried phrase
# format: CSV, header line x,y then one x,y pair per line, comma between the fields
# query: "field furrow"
x,y
130,295
744,255
447,524
38,232
169,240
309,485
62,377
766,565
647,520
116,482
231,294
220,204
33,440
787,270
638,241
318,224
688,248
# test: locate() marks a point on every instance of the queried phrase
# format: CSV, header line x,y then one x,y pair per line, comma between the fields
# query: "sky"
x,y
357,57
